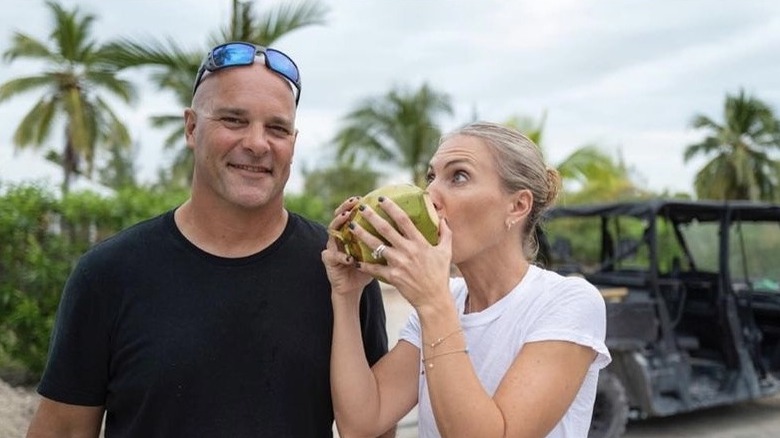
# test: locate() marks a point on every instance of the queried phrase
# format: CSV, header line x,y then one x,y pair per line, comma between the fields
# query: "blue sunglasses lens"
x,y
282,64
233,54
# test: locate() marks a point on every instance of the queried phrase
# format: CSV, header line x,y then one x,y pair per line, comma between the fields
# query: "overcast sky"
x,y
627,75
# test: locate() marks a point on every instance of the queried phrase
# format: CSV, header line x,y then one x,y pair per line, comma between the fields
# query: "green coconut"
x,y
410,198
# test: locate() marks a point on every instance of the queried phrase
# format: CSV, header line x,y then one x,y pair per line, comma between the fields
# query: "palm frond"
x,y
130,52
35,125
25,46
15,87
267,27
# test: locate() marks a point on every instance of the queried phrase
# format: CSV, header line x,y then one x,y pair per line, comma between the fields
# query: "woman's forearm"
x,y
354,388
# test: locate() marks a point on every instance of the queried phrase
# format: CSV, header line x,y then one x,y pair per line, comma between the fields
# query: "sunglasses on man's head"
x,y
239,54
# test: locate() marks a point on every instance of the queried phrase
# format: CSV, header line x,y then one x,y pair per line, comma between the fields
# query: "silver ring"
x,y
377,254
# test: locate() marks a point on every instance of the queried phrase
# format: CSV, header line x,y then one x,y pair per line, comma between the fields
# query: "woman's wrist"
x,y
435,309
345,298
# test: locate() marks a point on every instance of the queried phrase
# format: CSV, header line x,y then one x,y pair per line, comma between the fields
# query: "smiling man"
x,y
213,319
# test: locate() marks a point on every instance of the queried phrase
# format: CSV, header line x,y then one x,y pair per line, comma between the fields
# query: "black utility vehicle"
x,y
693,301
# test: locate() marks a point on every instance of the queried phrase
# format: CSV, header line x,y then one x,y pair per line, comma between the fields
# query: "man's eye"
x,y
281,131
232,121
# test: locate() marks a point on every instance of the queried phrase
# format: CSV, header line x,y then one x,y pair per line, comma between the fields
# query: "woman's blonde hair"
x,y
520,166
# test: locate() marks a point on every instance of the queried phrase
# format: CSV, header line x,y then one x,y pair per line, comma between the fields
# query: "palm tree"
x,y
740,166
595,176
179,66
77,72
588,173
399,129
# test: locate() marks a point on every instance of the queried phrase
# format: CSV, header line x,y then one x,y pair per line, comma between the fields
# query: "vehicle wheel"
x,y
610,412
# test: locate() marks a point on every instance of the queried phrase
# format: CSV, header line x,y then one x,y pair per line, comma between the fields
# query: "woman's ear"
x,y
522,202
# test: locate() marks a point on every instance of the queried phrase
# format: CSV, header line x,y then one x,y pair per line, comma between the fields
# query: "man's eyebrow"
x,y
281,120
230,111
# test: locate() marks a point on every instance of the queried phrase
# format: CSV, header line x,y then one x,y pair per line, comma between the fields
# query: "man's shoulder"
x,y
144,232
308,228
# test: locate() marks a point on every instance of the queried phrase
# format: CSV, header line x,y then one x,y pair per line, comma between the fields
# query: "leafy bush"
x,y
41,239
34,260
309,207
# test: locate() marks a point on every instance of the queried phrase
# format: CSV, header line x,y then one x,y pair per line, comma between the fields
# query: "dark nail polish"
x,y
381,199
357,265
351,225
362,207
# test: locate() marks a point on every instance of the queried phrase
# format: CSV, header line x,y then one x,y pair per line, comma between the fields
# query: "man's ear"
x,y
295,140
190,119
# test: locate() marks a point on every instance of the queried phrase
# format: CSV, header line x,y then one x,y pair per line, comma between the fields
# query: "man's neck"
x,y
232,232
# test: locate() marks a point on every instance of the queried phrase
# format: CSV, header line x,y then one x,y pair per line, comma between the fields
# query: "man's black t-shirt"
x,y
175,342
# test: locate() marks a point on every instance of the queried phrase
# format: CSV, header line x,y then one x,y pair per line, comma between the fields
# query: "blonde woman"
x,y
506,350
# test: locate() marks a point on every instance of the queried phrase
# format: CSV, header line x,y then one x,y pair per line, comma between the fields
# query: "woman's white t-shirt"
x,y
543,306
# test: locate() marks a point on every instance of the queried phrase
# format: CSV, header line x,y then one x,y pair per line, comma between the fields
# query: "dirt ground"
x,y
17,406
756,419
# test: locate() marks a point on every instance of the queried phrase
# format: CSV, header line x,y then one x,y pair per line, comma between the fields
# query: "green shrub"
x,y
41,238
34,260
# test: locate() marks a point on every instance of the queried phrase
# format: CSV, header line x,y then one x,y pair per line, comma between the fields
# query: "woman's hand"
x,y
343,275
420,271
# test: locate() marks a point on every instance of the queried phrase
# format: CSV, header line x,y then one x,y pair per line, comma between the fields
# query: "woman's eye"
x,y
429,177
460,176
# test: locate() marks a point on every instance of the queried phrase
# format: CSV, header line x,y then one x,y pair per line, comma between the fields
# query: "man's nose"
x,y
256,139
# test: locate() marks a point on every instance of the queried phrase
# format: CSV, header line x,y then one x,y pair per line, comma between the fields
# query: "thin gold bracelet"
x,y
438,341
426,361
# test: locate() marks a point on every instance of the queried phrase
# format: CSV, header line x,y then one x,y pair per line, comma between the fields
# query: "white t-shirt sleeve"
x,y
411,330
571,310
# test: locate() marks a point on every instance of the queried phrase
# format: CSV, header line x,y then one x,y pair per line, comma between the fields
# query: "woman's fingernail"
x,y
357,265
381,199
351,225
362,207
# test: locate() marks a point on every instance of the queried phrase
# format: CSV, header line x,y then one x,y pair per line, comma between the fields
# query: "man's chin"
x,y
254,199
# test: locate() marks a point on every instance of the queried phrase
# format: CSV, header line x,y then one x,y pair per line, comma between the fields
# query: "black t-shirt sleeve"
x,y
77,369
373,323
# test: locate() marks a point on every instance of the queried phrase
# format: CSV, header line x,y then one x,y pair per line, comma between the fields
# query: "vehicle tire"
x,y
610,412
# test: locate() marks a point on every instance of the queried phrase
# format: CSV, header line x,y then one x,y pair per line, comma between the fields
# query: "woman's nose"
x,y
434,195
